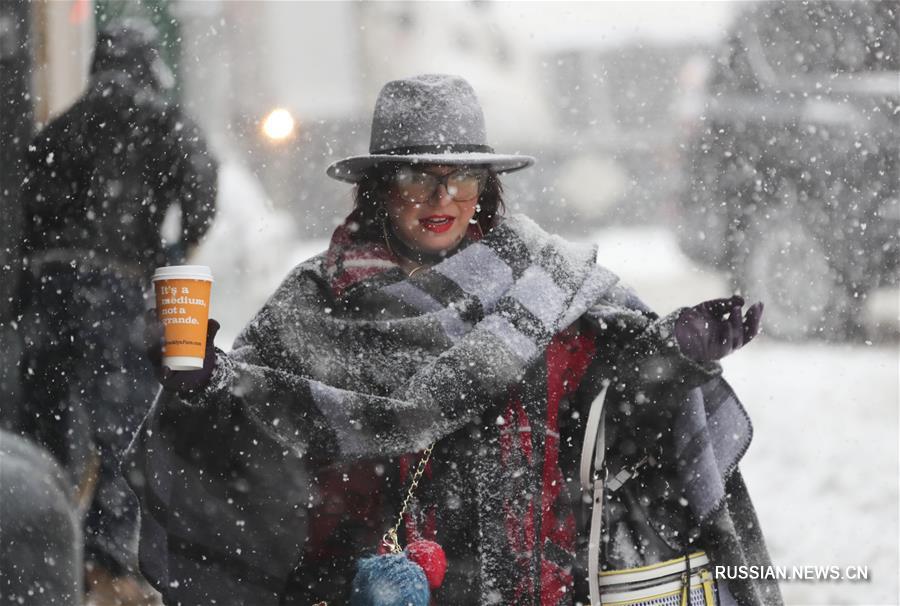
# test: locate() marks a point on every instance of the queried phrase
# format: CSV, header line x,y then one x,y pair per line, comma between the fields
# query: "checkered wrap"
x,y
386,368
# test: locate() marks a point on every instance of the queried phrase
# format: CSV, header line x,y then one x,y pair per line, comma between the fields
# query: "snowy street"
x,y
261,260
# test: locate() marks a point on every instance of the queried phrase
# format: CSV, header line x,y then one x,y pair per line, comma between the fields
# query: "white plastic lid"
x,y
183,272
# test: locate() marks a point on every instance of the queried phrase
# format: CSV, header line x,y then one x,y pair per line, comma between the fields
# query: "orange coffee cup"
x,y
182,305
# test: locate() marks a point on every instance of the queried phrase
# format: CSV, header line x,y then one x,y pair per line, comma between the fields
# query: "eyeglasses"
x,y
417,186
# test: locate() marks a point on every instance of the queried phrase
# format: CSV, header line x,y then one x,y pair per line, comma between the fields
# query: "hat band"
x,y
434,149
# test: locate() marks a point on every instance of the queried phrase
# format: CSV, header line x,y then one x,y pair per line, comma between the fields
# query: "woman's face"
x,y
432,219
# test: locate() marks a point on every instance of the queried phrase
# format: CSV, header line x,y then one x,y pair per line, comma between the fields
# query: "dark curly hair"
x,y
372,190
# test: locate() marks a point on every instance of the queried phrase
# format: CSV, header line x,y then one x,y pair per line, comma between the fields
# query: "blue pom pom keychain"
x,y
393,579
389,580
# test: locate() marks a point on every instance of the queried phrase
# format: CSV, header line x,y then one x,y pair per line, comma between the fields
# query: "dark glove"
x,y
178,381
713,329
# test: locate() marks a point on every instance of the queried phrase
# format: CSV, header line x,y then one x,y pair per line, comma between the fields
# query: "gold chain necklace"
x,y
387,242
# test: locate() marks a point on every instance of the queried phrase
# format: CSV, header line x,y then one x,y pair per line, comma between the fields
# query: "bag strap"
x,y
591,480
390,539
594,441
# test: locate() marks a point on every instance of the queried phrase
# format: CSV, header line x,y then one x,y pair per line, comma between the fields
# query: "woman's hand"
x,y
713,329
178,381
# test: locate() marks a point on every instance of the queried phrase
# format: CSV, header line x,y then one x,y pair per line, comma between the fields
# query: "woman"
x,y
431,319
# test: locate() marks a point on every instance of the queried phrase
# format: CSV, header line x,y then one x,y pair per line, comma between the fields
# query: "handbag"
x,y
684,581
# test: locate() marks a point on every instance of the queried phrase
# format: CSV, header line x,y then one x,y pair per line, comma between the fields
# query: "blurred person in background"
x,y
433,320
100,180
40,528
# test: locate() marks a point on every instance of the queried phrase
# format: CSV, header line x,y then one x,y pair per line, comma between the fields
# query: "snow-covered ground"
x,y
823,466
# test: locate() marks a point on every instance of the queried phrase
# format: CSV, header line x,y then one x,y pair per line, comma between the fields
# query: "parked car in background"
x,y
794,162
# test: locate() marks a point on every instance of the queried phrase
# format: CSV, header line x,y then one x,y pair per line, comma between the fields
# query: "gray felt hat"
x,y
427,119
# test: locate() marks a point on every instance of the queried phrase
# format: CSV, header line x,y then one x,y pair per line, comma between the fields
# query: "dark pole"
x,y
16,130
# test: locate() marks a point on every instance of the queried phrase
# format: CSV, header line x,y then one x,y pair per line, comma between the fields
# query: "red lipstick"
x,y
437,223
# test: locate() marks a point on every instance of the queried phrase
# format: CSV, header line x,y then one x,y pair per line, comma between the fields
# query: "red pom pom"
x,y
430,556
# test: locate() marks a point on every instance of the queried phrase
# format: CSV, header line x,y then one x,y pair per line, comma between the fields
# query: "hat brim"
x,y
353,169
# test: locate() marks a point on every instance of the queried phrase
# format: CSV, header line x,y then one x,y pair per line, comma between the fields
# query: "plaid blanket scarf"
x,y
351,359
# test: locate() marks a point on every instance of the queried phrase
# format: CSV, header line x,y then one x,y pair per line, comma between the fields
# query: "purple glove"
x,y
178,381
713,329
